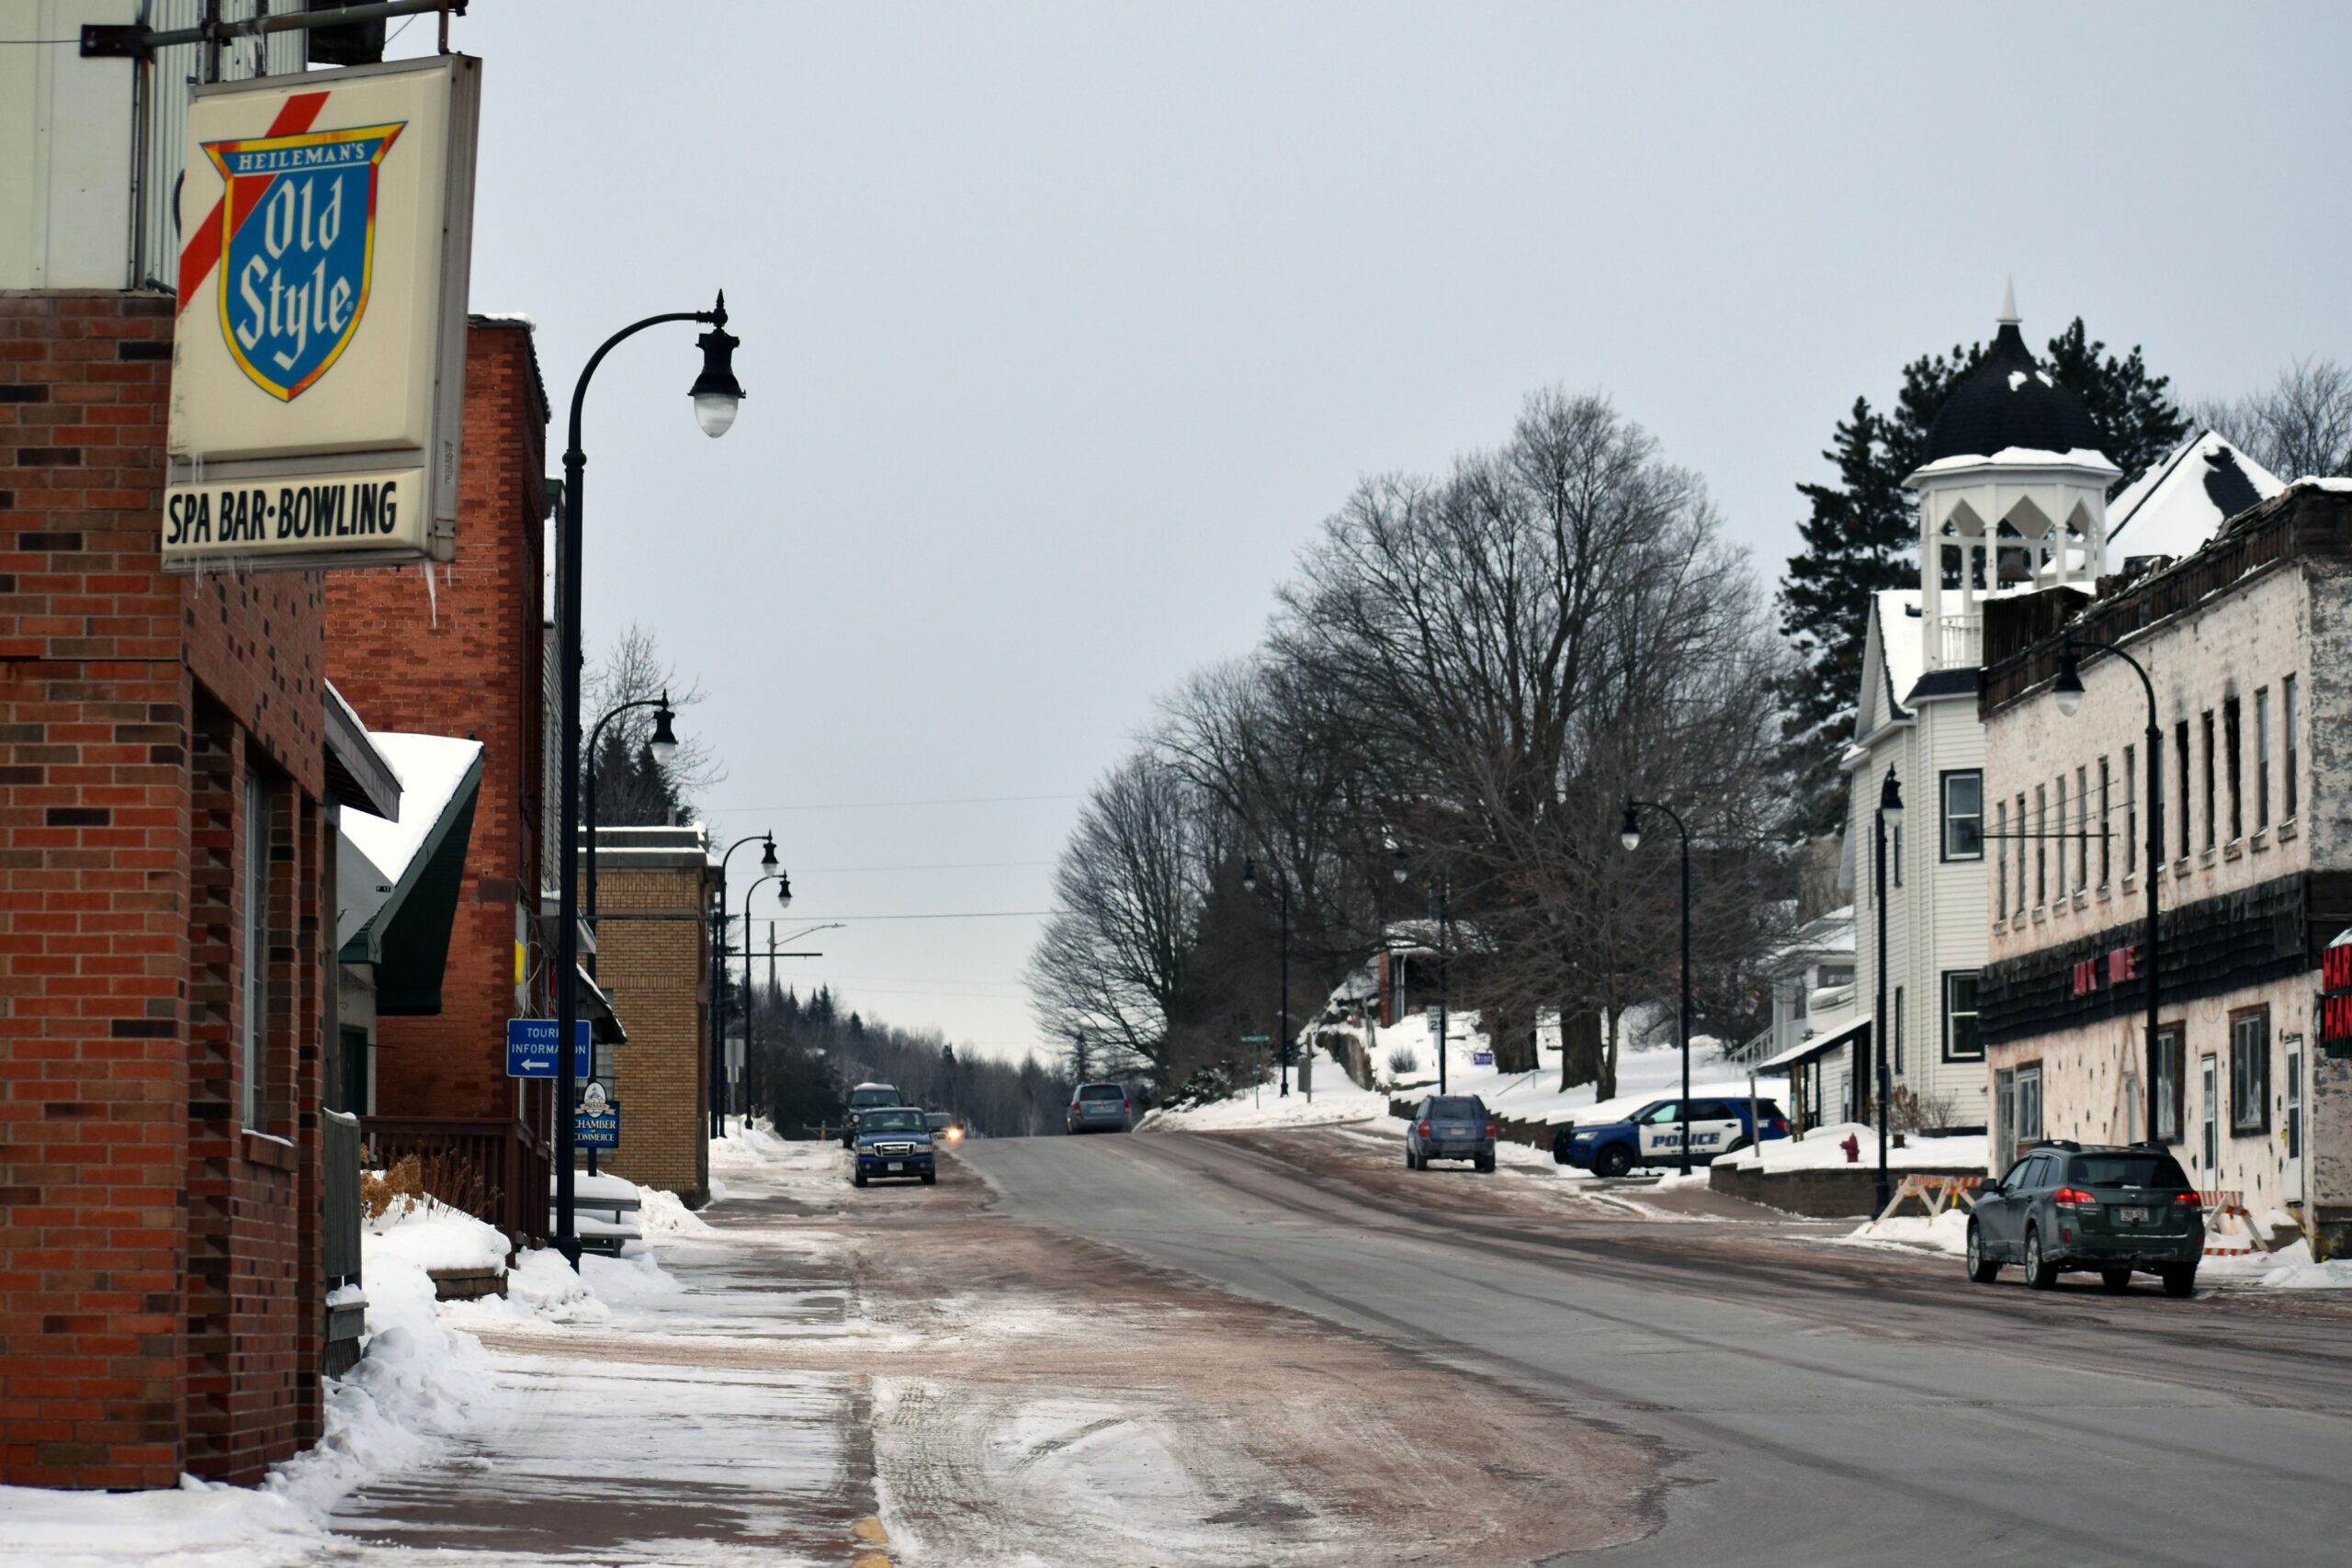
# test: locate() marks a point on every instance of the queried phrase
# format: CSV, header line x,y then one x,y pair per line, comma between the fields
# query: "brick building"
x,y
654,888
461,656
2245,644
166,876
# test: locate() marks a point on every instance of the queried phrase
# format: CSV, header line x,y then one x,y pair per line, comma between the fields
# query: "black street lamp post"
x,y
784,901
769,866
1249,883
715,395
1444,970
2068,689
1629,833
1890,817
663,746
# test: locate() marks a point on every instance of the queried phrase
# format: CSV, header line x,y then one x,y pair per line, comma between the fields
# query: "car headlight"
x,y
1584,1137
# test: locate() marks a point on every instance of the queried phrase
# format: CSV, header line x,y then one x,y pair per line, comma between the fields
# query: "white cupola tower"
x,y
2012,494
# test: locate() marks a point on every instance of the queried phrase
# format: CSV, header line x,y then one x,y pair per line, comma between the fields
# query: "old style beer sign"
x,y
317,368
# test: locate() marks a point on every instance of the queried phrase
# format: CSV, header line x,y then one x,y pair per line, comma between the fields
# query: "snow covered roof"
x,y
2021,458
1829,1039
2181,502
439,775
1902,641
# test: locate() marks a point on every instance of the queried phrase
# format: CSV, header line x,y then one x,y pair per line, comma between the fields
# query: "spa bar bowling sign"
x,y
317,368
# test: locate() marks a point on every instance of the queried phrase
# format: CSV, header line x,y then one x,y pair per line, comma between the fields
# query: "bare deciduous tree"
x,y
631,788
2301,425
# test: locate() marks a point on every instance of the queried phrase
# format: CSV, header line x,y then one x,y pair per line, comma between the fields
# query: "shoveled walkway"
x,y
680,1448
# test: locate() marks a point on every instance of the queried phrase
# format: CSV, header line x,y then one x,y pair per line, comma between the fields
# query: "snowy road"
x,y
1807,1404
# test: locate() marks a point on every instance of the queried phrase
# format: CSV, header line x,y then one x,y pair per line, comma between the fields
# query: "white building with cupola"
x,y
2013,501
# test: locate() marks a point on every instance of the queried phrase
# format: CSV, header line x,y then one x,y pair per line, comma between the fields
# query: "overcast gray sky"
x,y
1064,325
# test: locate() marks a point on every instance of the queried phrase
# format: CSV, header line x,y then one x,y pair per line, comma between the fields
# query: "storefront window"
x,y
253,893
2169,1085
2250,1071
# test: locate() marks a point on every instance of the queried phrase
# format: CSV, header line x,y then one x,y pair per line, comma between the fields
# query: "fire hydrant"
x,y
1853,1147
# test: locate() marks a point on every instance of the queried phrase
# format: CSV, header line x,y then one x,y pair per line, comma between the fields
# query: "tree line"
x,y
803,1055
1460,685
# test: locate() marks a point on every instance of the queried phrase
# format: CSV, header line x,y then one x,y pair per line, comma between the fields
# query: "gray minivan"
x,y
1098,1108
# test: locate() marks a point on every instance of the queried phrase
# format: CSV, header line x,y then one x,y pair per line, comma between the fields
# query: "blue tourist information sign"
x,y
530,1048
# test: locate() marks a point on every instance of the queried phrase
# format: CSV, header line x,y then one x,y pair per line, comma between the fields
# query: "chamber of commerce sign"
x,y
318,368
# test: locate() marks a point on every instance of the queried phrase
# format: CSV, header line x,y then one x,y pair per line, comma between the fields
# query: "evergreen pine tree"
x,y
1862,536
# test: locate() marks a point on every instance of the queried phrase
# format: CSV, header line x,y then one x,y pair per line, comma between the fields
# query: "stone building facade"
x,y
165,882
654,888
2247,647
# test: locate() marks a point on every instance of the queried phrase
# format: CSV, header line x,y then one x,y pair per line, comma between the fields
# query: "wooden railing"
x,y
496,1171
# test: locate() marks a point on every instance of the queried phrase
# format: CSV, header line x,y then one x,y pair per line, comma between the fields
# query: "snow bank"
x,y
431,1234
420,1383
2290,1268
1820,1150
1947,1232
1337,1098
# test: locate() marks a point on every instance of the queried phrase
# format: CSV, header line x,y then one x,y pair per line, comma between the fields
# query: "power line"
x,y
942,865
965,915
892,805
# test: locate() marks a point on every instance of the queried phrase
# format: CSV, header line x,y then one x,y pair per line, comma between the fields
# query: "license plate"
x,y
2134,1216
895,1165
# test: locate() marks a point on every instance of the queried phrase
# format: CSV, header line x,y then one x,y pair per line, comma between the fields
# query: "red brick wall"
x,y
465,659
159,1305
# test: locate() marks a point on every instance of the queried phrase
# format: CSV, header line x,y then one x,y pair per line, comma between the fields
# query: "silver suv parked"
x,y
1450,1127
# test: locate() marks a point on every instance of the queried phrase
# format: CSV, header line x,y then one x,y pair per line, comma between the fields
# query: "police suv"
x,y
1653,1135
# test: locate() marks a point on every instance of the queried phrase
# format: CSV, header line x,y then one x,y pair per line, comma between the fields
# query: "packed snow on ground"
x,y
808,1170
2290,1268
1336,1099
1823,1148
1947,1232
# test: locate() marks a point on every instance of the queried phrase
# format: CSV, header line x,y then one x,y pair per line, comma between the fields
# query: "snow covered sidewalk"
x,y
624,1413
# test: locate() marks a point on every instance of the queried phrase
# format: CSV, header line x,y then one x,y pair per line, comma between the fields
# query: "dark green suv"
x,y
2114,1210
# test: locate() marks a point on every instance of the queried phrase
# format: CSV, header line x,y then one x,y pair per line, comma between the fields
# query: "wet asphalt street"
x,y
1808,1404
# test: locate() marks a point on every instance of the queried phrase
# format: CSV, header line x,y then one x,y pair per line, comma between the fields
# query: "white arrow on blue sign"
x,y
530,1048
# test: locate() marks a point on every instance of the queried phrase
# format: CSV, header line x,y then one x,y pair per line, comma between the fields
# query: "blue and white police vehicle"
x,y
1653,1135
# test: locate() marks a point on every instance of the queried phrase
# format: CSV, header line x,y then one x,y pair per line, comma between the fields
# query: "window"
x,y
1894,1035
2001,861
2213,816
2180,792
2041,845
2290,776
2170,1085
1960,1041
2262,759
1894,853
2106,824
1964,815
2130,811
253,893
2250,1071
2058,825
2029,1093
2083,829
2210,1072
2233,767
2294,1127
2020,819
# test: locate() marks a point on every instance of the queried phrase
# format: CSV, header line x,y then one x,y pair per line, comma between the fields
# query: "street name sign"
x,y
318,365
531,1050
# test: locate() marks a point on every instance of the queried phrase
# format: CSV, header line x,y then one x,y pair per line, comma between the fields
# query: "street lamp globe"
x,y
1249,875
2068,687
1629,832
1890,802
769,865
783,891
715,393
664,744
